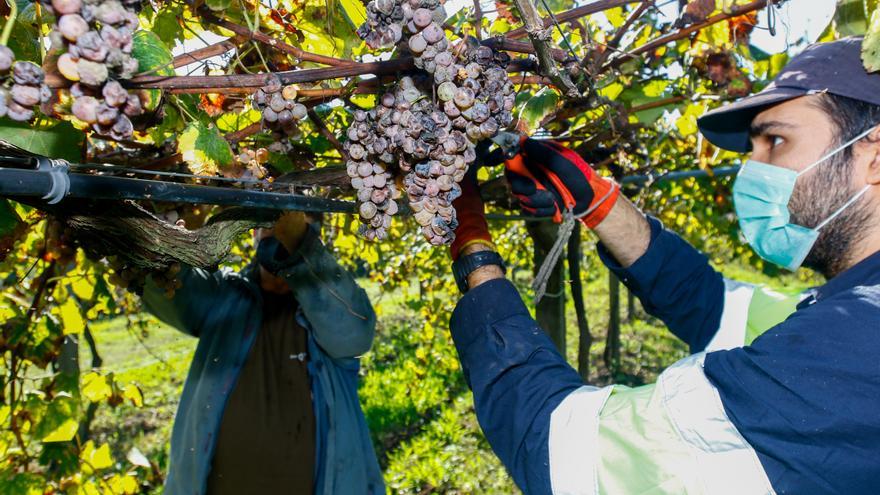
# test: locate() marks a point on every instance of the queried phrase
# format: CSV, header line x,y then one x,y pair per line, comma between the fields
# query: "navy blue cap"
x,y
834,67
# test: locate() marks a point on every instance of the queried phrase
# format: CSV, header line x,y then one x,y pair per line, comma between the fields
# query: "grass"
x,y
416,402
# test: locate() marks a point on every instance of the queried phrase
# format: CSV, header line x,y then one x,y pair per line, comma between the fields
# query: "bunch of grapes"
x,y
475,91
97,36
406,132
426,127
281,112
133,278
389,20
370,158
27,89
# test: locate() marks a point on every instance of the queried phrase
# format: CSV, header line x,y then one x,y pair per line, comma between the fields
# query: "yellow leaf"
x,y
95,387
64,433
687,123
134,394
354,11
94,459
123,484
71,319
203,149
370,254
84,287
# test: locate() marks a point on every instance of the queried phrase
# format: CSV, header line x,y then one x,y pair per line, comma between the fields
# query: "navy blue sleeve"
x,y
806,396
517,377
675,283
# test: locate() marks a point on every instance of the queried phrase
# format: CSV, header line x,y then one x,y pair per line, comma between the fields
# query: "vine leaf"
x,y
95,458
538,107
218,5
96,387
871,44
59,423
71,319
59,141
204,149
354,12
154,58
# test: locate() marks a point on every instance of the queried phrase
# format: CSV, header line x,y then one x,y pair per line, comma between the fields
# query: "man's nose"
x,y
760,155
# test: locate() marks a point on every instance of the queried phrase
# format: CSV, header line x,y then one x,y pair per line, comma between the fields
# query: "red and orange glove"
x,y
472,227
548,179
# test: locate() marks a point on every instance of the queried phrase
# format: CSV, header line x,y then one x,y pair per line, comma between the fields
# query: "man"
x,y
796,410
270,403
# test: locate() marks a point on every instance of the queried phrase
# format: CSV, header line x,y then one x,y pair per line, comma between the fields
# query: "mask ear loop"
x,y
837,150
845,206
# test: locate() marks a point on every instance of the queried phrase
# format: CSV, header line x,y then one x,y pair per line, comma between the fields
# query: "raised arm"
x,y
673,280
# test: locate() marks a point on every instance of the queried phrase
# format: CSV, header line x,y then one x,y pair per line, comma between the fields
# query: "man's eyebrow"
x,y
762,128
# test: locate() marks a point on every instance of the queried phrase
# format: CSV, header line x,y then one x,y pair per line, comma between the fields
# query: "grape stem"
x,y
10,22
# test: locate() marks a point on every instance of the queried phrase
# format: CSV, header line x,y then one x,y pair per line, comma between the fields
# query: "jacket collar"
x,y
865,272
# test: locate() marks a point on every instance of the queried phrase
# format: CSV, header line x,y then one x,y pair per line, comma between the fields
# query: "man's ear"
x,y
872,173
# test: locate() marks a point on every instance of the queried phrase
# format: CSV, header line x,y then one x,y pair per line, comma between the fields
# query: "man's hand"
x,y
549,178
290,229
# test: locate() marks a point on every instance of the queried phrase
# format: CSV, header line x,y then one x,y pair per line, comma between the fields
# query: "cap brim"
x,y
728,127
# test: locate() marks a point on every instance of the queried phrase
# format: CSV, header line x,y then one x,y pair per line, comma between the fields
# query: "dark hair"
x,y
851,117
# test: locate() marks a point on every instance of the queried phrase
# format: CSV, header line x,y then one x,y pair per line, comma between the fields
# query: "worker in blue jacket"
x,y
781,393
270,402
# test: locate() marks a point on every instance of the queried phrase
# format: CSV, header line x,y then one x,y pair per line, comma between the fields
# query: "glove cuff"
x,y
603,205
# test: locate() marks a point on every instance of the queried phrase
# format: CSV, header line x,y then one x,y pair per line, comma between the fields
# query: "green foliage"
x,y
871,44
59,140
204,149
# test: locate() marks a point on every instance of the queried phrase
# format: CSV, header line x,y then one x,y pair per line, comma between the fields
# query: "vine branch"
x,y
541,40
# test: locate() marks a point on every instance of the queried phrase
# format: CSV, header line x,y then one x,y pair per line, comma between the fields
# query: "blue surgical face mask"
x,y
761,194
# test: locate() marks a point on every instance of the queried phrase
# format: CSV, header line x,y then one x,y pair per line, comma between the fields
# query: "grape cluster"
x,y
370,157
27,88
133,278
475,91
279,107
426,127
388,21
406,132
97,36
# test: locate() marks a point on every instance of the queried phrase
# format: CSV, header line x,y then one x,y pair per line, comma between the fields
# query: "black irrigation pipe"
x,y
25,182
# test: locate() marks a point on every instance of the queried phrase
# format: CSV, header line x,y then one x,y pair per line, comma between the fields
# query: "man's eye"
x,y
776,141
